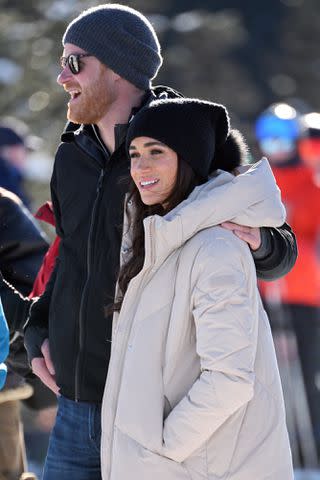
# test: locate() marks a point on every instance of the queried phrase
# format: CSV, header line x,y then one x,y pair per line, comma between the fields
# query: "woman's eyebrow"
x,y
148,144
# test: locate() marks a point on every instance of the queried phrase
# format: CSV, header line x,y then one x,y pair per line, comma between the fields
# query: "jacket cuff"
x,y
265,248
34,337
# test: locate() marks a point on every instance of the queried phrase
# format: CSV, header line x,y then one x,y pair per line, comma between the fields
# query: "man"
x,y
111,54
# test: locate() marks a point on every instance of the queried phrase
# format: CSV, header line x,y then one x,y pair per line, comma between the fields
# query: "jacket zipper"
x,y
124,346
85,288
83,296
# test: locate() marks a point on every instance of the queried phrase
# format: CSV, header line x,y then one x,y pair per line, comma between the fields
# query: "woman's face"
x,y
154,168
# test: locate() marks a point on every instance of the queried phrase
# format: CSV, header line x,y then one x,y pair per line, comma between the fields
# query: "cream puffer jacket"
x,y
193,389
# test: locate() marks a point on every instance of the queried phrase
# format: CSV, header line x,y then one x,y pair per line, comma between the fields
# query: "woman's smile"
x,y
154,169
148,183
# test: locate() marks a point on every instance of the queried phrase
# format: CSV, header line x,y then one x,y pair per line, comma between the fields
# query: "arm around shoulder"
x,y
277,254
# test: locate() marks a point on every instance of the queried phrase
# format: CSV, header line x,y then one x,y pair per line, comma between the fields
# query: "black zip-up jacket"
x,y
88,199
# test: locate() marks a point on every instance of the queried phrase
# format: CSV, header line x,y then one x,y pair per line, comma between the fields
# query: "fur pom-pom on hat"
x,y
233,153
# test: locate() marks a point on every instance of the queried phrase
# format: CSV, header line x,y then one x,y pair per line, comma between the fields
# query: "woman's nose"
x,y
143,163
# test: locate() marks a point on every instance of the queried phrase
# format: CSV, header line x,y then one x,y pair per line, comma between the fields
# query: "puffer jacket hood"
x,y
250,198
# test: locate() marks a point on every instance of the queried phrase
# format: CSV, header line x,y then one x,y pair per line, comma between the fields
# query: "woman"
x,y
193,390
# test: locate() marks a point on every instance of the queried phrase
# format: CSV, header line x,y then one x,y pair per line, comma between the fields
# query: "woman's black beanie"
x,y
193,128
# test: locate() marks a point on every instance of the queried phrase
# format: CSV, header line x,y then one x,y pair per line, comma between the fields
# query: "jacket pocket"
x,y
132,460
197,465
169,468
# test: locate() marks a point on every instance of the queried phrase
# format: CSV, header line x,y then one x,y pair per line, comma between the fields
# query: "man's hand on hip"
x,y
44,369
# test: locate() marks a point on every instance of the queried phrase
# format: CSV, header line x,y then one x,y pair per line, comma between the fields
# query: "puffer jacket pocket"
x,y
167,468
131,460
196,464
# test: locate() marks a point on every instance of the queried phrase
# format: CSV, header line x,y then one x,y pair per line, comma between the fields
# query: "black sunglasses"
x,y
73,61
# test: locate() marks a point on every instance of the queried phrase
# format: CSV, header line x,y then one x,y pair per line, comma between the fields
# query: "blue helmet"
x,y
280,120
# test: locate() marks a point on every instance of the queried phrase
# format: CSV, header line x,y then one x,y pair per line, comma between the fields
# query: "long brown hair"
x,y
185,182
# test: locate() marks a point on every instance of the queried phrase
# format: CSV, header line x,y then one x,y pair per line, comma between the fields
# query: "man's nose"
x,y
64,75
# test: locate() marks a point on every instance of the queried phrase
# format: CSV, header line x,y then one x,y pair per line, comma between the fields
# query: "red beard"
x,y
92,104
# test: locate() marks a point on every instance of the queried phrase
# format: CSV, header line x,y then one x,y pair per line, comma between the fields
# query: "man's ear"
x,y
116,76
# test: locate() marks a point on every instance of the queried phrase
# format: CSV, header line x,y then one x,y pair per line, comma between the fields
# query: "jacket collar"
x,y
251,198
87,136
72,129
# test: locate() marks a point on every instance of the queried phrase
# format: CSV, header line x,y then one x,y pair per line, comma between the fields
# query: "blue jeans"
x,y
74,445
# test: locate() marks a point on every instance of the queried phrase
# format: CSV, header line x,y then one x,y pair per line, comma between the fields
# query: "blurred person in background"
x,y
309,143
293,301
111,55
4,346
22,249
13,157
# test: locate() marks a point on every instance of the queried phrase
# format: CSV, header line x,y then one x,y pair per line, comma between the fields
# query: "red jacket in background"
x,y
45,214
301,197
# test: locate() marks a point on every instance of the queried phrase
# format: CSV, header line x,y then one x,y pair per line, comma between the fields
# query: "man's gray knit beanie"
x,y
121,38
